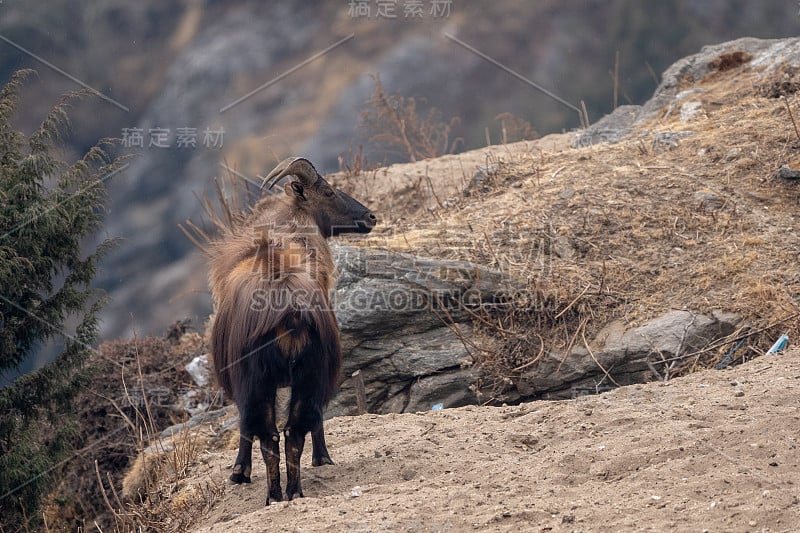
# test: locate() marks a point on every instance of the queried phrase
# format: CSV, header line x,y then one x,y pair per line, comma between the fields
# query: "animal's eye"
x,y
329,193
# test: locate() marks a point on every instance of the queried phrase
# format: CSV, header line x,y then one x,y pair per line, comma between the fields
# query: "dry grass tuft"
x,y
153,496
135,389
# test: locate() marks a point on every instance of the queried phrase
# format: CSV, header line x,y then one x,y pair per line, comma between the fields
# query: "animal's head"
x,y
333,211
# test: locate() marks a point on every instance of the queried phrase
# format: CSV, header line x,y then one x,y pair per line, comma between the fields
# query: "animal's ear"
x,y
294,189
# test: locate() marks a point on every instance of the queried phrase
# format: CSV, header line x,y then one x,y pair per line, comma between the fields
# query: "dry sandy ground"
x,y
714,451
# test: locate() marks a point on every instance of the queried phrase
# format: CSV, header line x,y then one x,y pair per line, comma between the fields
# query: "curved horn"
x,y
297,166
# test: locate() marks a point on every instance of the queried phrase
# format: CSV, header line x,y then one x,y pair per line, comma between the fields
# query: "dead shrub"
x,y
395,122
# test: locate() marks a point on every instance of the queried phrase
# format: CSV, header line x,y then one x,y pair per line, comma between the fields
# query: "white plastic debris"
x,y
198,369
355,492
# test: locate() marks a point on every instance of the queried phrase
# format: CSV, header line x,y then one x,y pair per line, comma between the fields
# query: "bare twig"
x,y
532,361
791,116
103,489
599,365
361,392
557,172
616,79
433,191
567,308
571,343
652,368
584,116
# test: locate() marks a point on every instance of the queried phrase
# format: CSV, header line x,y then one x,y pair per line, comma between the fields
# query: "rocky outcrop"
x,y
622,355
673,98
402,319
405,322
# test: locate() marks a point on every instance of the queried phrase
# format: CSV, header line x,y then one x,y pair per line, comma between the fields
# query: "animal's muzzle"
x,y
368,222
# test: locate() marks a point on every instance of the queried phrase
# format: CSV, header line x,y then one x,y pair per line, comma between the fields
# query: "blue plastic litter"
x,y
779,345
437,407
727,359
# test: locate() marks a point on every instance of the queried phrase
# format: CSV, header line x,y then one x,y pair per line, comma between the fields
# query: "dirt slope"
x,y
714,451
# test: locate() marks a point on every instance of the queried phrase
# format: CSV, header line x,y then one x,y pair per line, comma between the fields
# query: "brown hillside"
x,y
680,215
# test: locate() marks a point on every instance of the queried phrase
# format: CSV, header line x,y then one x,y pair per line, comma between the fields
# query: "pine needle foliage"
x,y
48,212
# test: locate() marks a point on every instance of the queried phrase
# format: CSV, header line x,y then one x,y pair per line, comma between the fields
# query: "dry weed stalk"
x,y
357,176
791,116
394,121
354,163
514,128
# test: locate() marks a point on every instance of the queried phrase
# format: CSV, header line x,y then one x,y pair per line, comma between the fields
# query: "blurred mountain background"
x,y
246,81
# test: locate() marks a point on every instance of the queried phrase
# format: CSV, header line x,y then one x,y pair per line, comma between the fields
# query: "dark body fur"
x,y
273,326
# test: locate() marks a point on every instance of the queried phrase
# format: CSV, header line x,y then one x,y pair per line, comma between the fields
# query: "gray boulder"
x,y
633,355
403,318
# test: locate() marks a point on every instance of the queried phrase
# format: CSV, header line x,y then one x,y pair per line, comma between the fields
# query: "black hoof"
x,y
291,496
241,474
323,460
240,478
274,496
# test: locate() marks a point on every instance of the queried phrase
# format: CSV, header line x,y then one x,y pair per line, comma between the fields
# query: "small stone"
x,y
709,199
666,140
732,154
567,193
563,248
738,394
691,110
480,180
787,173
408,474
378,454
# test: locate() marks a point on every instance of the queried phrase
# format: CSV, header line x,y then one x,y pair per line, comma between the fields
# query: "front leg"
x,y
295,441
270,451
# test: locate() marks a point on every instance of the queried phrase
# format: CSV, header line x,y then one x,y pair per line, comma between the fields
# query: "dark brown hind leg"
x,y
251,424
295,440
270,451
243,465
319,451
